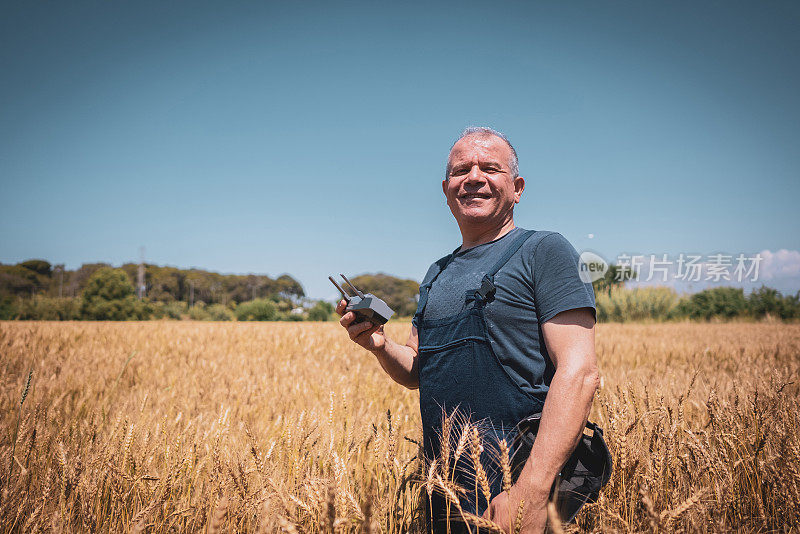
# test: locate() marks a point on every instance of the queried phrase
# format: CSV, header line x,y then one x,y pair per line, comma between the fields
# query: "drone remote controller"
x,y
366,307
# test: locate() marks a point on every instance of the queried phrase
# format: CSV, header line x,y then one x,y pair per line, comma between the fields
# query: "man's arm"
x,y
399,361
570,342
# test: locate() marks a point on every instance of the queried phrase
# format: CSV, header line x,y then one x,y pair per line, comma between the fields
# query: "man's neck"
x,y
478,236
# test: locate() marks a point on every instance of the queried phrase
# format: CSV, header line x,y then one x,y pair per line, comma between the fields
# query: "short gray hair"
x,y
485,131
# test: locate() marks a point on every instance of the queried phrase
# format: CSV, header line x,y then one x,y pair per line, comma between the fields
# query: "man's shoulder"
x,y
435,267
543,242
545,248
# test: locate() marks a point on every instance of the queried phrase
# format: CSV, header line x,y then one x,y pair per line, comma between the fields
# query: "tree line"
x,y
616,303
37,290
620,304
162,284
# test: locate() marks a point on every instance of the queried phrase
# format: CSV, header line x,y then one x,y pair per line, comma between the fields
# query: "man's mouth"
x,y
474,196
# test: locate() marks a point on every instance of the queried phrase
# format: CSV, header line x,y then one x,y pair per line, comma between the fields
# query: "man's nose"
x,y
475,174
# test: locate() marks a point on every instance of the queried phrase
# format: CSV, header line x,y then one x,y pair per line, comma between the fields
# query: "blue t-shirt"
x,y
539,281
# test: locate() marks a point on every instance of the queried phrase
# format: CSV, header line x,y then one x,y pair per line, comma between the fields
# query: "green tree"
x,y
109,296
17,280
288,287
40,267
76,282
791,306
398,293
615,276
767,301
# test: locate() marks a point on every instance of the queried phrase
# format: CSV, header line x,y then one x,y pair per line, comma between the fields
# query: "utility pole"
x,y
255,286
140,278
60,269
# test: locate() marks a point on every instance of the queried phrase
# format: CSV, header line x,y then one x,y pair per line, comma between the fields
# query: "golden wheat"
x,y
181,426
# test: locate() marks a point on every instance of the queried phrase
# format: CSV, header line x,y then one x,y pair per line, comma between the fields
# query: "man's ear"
x,y
519,187
444,187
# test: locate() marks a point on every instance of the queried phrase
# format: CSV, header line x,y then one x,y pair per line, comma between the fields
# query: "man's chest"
x,y
513,297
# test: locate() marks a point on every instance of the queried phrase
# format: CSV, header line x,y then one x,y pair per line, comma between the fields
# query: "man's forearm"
x,y
399,362
564,417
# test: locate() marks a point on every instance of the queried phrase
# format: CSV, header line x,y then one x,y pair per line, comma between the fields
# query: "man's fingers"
x,y
359,328
341,306
362,338
347,318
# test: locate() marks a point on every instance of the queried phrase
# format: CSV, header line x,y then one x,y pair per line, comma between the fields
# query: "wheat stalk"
x,y
554,521
519,517
19,419
219,517
480,474
483,523
505,464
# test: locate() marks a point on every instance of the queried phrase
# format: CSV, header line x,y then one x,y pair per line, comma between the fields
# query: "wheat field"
x,y
268,427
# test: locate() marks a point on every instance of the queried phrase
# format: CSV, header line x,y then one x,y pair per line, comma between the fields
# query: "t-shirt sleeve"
x,y
557,284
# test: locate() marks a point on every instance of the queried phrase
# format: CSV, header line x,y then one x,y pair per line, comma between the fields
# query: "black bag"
x,y
581,478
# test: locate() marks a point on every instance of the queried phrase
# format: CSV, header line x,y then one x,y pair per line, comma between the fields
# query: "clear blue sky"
x,y
311,139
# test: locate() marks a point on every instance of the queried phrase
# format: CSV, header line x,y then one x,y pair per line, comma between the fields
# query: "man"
x,y
504,329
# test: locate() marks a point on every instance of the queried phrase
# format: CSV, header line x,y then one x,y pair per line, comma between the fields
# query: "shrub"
x,y
198,312
619,304
127,309
218,312
214,312
766,301
718,302
321,311
7,309
289,317
256,310
169,310
48,309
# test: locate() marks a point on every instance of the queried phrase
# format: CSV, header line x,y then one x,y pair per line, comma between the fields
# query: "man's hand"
x,y
366,334
570,342
504,509
399,361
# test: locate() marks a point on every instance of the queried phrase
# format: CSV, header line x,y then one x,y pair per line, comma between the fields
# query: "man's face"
x,y
480,189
